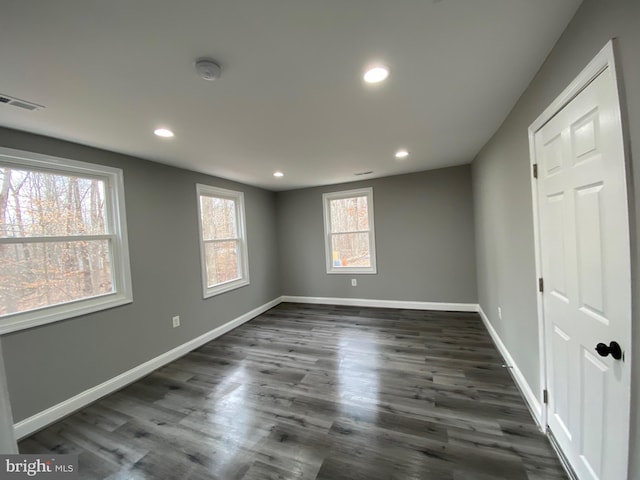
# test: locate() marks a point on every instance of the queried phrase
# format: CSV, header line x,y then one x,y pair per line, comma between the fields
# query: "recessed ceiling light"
x,y
402,153
278,174
163,132
376,74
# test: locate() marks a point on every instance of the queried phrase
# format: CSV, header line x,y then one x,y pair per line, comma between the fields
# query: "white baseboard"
x,y
366,302
530,397
40,420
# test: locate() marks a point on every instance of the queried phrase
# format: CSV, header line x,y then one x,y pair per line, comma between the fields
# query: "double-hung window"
x,y
223,243
349,232
63,240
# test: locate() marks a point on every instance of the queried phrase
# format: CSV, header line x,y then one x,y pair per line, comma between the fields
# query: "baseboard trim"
x,y
366,302
40,420
529,396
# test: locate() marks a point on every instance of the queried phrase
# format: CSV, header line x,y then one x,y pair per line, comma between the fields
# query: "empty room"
x,y
302,239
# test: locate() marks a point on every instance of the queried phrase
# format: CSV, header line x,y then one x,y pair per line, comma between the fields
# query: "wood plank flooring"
x,y
318,392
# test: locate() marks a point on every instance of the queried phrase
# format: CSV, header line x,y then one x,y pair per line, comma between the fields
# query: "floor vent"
x,y
16,102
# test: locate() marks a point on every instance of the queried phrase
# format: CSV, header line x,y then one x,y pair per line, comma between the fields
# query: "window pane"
x,y
218,218
349,214
222,262
350,250
37,275
51,204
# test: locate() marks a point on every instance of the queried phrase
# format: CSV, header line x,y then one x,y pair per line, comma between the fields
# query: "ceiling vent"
x,y
369,172
16,102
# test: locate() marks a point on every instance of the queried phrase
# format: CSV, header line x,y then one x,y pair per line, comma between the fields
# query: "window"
x,y
223,244
349,233
63,241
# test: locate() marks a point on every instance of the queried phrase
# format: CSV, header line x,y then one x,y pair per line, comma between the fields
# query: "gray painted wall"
x,y
424,239
49,364
502,192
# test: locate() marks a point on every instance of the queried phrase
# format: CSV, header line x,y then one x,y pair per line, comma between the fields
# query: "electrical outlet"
x,y
176,321
354,282
500,313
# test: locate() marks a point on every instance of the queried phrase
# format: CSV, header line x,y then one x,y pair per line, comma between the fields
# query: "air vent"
x,y
18,103
363,173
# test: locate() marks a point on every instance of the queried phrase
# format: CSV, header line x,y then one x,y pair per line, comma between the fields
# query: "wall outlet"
x,y
500,313
354,282
176,321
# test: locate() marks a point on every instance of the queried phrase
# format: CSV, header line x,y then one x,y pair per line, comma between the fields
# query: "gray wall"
x,y
424,239
502,191
49,364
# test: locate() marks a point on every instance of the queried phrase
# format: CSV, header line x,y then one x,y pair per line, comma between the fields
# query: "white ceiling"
x,y
291,96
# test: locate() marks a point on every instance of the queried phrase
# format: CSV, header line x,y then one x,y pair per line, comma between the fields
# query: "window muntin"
x,y
63,245
223,240
349,232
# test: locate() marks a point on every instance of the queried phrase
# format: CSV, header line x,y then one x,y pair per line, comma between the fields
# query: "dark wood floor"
x,y
318,392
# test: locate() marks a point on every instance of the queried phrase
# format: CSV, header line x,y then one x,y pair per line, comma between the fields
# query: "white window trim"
x,y
326,199
115,218
243,261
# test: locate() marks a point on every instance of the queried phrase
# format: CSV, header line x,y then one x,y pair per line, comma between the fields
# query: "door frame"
x,y
8,443
603,60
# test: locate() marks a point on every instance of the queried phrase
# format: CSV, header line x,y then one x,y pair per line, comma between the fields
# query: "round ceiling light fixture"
x,y
402,153
208,69
163,132
278,174
376,74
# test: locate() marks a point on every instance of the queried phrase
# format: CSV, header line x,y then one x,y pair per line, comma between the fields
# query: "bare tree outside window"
x,y
63,241
349,231
224,256
55,248
220,237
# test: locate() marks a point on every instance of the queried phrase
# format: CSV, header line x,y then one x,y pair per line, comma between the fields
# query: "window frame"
x,y
116,227
328,233
241,233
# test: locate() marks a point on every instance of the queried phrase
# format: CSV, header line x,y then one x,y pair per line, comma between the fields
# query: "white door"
x,y
585,264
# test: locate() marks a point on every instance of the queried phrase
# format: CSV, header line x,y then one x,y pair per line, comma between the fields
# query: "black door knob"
x,y
613,348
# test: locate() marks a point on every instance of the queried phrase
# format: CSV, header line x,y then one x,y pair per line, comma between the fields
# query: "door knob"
x,y
613,348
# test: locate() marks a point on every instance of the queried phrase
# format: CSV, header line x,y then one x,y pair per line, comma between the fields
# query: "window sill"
x,y
225,287
352,271
57,313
